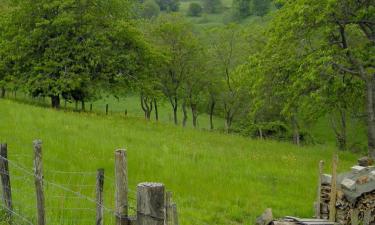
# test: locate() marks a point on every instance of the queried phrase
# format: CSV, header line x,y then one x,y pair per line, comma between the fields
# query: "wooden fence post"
x,y
38,167
99,197
332,202
121,176
106,109
5,178
319,198
91,107
150,204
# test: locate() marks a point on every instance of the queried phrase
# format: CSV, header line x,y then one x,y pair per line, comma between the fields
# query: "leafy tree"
x,y
67,48
260,7
169,5
228,49
150,9
212,6
174,38
195,9
312,43
242,8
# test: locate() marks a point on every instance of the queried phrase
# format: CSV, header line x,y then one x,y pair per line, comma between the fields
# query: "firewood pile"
x,y
325,198
355,196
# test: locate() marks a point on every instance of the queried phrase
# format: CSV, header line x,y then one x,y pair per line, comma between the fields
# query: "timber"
x,y
121,176
5,178
38,168
150,204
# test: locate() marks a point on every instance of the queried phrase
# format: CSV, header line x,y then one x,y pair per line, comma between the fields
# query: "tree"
x,y
260,7
313,42
67,48
195,9
229,49
242,8
169,5
176,41
150,9
212,6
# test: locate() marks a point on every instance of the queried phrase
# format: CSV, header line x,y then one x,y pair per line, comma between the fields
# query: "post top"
x,y
120,151
37,142
150,184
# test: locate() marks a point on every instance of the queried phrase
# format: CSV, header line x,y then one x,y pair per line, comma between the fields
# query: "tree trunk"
x,y
83,107
174,103
228,120
296,134
147,106
185,114
2,94
340,129
55,101
194,112
156,110
212,108
370,86
260,131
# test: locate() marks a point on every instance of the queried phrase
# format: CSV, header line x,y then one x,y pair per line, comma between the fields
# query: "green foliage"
x,y
241,8
150,9
260,7
169,5
195,9
68,48
212,6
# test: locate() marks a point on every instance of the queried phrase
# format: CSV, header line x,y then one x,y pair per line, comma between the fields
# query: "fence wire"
x,y
70,196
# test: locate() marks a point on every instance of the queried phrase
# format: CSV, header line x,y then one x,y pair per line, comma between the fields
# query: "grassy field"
x,y
216,179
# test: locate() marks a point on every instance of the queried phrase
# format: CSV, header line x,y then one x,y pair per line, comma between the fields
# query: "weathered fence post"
x,y
332,202
106,109
121,173
150,204
38,167
5,177
90,107
319,198
99,197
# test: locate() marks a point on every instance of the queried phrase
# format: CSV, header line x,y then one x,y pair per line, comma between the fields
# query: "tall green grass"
x,y
216,179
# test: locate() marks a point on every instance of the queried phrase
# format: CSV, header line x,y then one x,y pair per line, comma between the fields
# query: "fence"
x,y
36,197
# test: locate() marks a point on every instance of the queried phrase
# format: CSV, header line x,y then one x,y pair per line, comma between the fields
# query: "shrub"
x,y
195,9
150,9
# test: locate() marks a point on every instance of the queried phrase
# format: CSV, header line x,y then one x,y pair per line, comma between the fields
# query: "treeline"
x,y
313,59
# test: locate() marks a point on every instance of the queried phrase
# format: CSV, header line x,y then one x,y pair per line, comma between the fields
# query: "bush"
x,y
169,5
150,9
212,6
195,9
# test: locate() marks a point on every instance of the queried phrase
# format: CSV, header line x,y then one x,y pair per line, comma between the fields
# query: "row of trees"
x,y
315,58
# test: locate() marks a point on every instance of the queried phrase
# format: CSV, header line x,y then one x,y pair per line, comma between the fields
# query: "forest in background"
x,y
269,69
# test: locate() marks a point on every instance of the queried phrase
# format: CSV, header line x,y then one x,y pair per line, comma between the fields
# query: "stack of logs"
x,y
325,198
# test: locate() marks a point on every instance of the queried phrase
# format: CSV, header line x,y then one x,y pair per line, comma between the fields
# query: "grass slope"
x,y
216,179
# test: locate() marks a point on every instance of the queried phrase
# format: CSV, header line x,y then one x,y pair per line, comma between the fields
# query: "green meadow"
x,y
215,178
